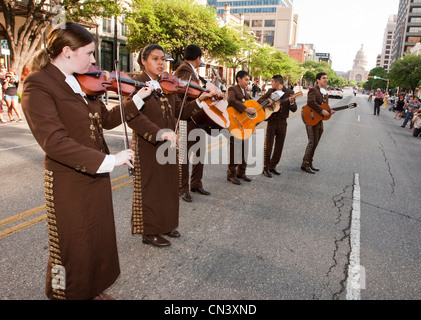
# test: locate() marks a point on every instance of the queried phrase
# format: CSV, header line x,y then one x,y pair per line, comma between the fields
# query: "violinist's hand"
x,y
170,136
207,95
145,91
125,157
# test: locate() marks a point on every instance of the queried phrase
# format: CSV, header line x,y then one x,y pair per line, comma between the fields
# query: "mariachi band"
x,y
61,103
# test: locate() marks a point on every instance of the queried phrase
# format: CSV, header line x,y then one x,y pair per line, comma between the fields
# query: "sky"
x,y
340,28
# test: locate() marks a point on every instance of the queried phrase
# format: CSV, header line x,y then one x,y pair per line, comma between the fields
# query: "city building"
x,y
359,72
408,28
386,55
324,57
417,49
301,52
272,21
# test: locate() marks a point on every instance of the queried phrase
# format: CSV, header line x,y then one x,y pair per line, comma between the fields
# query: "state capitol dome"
x,y
358,72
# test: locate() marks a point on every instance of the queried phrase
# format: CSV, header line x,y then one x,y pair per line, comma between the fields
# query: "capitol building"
x,y
359,72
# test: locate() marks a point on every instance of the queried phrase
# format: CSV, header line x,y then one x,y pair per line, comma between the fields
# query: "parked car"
x,y
336,93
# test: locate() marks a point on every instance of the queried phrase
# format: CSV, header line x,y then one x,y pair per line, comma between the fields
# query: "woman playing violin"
x,y
68,125
155,194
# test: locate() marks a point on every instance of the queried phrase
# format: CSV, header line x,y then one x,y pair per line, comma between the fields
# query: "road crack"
x,y
393,185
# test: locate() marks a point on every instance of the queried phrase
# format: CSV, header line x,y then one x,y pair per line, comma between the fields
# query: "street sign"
x,y
5,48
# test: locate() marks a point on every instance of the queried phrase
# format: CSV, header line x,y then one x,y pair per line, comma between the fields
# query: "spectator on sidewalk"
x,y
416,122
400,106
3,70
10,88
412,106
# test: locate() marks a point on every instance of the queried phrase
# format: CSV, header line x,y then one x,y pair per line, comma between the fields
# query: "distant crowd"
x,y
405,106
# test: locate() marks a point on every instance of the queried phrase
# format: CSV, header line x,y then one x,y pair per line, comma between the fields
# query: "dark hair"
x,y
68,34
320,75
241,74
146,51
278,78
192,52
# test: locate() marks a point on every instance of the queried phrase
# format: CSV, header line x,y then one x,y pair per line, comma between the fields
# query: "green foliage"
x,y
312,68
88,10
373,84
175,24
406,72
244,45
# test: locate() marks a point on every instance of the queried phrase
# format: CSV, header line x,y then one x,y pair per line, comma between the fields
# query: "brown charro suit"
x,y
314,100
155,208
80,216
184,71
277,129
236,99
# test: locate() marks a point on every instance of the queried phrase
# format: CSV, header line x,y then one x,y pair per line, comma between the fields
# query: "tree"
x,y
245,45
175,24
372,83
312,68
38,16
406,72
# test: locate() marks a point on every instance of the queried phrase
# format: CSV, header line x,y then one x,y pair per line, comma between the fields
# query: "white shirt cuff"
x,y
107,165
138,101
199,103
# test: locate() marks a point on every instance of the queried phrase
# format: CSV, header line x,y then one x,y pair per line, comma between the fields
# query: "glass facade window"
x,y
250,6
414,39
269,23
256,23
414,30
107,25
269,37
124,56
107,55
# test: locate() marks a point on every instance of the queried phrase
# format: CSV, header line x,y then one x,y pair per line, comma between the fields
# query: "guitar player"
x,y
277,125
315,98
237,96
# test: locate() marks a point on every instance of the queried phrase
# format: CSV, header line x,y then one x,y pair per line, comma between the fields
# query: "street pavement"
x,y
292,237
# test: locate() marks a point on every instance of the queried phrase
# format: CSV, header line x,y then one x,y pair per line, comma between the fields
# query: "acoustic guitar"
x,y
311,117
214,113
276,107
242,124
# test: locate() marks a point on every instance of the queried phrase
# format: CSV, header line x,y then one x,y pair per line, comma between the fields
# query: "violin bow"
x,y
122,113
182,105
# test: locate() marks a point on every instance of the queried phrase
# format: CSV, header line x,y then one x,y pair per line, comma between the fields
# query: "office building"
x,y
272,21
385,60
408,28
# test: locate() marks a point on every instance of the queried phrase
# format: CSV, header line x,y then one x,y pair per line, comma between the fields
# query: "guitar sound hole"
x,y
251,116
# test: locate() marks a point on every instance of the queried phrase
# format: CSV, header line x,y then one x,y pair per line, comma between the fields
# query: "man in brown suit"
x,y
315,98
237,96
277,125
192,60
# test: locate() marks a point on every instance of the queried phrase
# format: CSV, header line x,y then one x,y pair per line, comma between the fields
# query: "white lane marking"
x,y
356,273
18,147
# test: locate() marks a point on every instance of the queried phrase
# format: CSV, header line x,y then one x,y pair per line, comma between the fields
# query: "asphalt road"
x,y
293,237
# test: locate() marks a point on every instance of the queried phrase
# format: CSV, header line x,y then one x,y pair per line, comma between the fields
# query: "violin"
x,y
95,82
